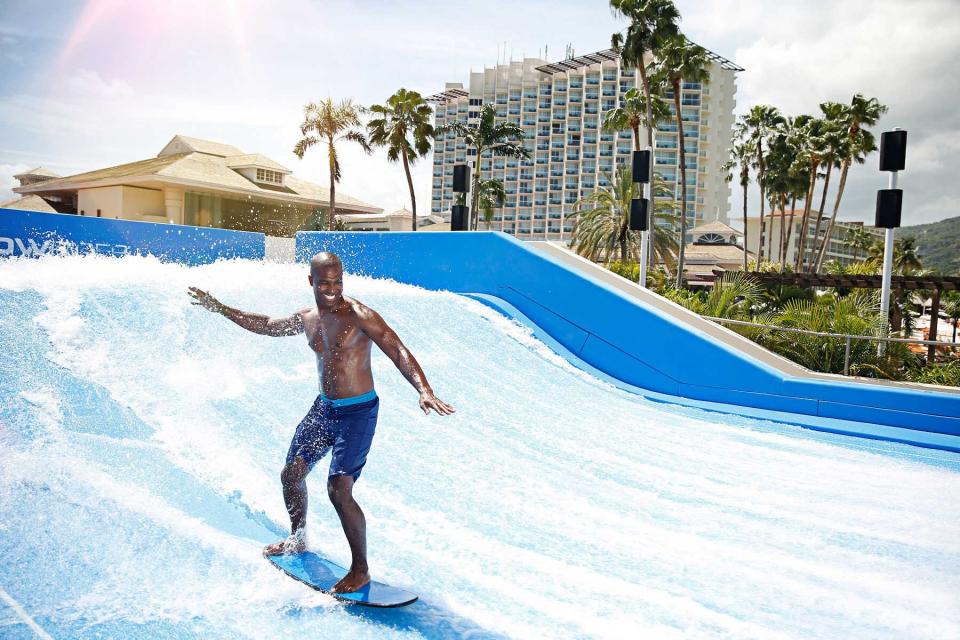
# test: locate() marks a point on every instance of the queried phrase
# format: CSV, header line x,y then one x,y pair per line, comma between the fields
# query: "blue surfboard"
x,y
321,574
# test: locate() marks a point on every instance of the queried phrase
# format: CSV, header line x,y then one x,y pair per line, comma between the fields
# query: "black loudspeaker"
x,y
889,203
641,166
460,182
638,214
893,150
458,217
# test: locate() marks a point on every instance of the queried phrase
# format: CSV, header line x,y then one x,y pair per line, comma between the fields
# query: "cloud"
x,y
245,82
89,84
7,181
797,55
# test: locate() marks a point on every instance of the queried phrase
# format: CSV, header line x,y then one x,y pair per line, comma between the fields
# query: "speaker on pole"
x,y
639,221
893,150
889,205
641,166
461,184
458,217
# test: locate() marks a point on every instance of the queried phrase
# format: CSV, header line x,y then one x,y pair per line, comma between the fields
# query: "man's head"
x,y
326,278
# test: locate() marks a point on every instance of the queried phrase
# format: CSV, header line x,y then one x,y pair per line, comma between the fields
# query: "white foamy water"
x,y
141,440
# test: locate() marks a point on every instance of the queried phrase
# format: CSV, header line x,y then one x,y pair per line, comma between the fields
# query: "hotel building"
x,y
838,248
560,107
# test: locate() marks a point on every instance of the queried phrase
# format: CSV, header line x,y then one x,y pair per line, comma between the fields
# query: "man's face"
x,y
327,283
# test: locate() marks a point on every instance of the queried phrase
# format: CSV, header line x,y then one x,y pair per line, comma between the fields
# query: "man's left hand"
x,y
429,401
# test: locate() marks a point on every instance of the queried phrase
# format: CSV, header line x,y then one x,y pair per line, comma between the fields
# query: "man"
x,y
344,416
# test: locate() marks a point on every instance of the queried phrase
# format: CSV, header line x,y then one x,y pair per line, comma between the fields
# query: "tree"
x,y
951,306
487,135
860,113
632,114
756,126
490,195
403,126
812,150
682,61
329,123
834,147
860,240
740,155
652,24
603,222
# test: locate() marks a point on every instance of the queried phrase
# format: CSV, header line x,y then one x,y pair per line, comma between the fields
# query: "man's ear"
x,y
310,280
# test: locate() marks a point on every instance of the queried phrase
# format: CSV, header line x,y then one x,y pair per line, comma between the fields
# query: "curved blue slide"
x,y
637,343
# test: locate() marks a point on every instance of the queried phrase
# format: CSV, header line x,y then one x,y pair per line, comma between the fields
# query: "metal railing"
x,y
848,338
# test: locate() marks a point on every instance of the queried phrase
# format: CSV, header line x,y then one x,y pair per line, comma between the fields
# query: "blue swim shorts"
x,y
345,425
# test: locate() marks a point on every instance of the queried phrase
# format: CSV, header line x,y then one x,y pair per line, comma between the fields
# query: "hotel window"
x,y
266,175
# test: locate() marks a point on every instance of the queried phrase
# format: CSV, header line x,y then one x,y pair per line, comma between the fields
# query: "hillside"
x,y
938,244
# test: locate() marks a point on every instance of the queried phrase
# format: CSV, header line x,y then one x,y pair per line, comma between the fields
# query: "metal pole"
x,y
846,358
644,237
885,282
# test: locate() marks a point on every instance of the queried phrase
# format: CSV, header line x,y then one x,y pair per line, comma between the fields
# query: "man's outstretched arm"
x,y
388,341
255,322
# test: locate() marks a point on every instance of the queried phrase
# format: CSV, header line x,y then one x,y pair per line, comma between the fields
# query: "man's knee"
x,y
340,489
294,472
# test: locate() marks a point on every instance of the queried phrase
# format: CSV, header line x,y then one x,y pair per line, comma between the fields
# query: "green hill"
x,y
938,244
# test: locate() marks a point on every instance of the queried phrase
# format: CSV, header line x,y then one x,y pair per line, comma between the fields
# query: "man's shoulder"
x,y
360,310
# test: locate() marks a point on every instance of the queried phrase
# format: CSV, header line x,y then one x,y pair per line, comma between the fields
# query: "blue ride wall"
x,y
619,335
32,234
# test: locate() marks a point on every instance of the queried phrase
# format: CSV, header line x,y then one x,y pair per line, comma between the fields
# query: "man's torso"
x,y
342,349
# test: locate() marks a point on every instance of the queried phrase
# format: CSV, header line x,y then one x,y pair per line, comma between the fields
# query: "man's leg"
x,y
293,477
340,490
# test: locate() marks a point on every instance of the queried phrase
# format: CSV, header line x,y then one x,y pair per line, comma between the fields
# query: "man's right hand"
x,y
205,300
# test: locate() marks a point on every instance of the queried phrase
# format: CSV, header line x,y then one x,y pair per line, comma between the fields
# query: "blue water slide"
x,y
650,346
33,234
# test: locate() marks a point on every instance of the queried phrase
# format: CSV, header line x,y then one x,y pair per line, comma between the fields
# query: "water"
x,y
141,440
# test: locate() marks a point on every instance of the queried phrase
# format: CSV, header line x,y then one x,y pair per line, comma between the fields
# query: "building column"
x,y
173,203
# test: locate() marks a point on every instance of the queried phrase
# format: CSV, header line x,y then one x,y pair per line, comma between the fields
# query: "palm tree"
x,y
330,123
810,131
757,126
906,260
740,155
603,221
652,24
861,112
491,195
403,126
835,147
859,240
682,61
951,306
632,114
487,135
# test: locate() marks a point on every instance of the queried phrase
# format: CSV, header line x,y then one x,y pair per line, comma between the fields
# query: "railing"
x,y
847,337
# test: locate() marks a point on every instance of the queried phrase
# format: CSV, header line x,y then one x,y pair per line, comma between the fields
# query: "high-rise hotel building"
x,y
560,107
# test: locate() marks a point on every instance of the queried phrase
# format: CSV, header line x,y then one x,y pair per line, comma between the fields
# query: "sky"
x,y
90,84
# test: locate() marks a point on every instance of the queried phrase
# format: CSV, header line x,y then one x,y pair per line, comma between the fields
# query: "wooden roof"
x,y
847,281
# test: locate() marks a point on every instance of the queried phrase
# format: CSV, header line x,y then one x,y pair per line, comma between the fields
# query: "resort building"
x,y
399,220
716,247
837,248
560,107
192,182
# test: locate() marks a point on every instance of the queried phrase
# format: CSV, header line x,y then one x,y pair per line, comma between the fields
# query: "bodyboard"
x,y
321,574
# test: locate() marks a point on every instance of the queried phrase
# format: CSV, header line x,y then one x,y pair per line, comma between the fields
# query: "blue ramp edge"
x,y
32,234
816,423
624,337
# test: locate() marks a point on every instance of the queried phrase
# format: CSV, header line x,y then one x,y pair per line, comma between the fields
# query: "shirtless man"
x,y
344,416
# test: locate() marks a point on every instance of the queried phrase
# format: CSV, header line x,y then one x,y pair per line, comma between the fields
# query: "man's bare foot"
x,y
296,543
353,581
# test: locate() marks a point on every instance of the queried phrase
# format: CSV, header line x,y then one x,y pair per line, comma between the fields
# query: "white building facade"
x,y
560,107
838,248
